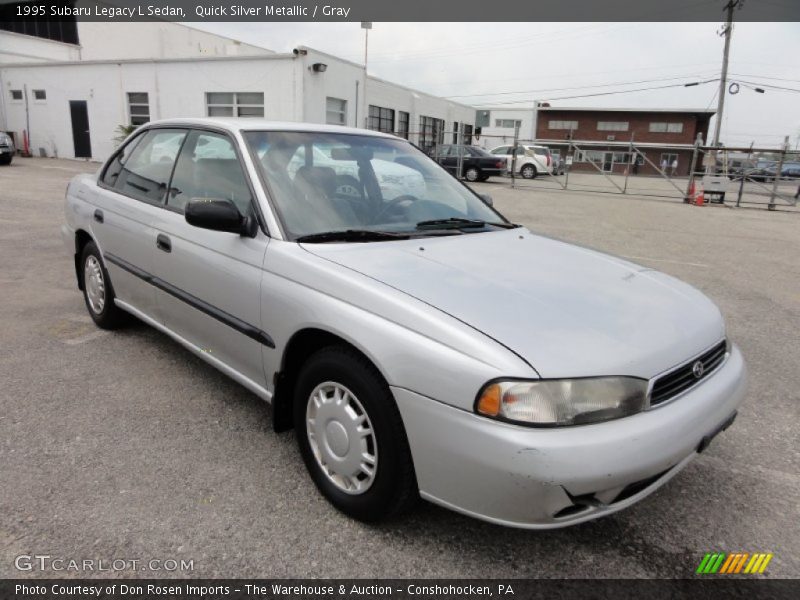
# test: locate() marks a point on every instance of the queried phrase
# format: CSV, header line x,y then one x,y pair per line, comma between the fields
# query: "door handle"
x,y
163,243
98,215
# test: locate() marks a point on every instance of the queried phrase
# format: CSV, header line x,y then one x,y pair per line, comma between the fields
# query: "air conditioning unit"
x,y
611,138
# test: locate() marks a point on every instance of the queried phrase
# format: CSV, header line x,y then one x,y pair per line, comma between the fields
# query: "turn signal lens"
x,y
489,401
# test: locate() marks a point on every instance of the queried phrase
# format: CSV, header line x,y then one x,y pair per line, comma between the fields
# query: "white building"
x,y
76,41
498,125
71,98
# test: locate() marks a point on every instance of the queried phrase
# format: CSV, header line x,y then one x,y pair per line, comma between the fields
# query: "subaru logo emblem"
x,y
698,369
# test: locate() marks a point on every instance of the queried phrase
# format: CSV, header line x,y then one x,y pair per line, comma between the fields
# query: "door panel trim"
x,y
212,311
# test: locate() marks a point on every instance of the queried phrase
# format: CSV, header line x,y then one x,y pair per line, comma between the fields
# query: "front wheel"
x,y
528,171
351,436
472,174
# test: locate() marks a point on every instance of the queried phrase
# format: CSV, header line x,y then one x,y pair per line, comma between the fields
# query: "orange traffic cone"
x,y
700,199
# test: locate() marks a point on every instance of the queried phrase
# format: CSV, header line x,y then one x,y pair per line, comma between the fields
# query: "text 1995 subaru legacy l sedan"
x,y
418,342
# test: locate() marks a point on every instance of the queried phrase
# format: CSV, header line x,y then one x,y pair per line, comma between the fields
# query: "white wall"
x,y
124,40
15,48
497,136
175,88
339,81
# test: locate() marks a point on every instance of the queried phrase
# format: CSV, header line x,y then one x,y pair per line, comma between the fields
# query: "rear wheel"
x,y
5,160
97,291
472,174
528,171
351,436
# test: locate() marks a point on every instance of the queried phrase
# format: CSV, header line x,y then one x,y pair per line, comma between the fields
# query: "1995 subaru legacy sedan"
x,y
418,342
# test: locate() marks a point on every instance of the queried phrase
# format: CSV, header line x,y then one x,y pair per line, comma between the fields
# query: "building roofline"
x,y
623,109
121,61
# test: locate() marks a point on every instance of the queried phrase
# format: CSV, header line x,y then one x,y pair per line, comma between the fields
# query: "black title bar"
x,y
395,589
399,10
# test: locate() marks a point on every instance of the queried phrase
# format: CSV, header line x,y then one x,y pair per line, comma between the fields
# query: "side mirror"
x,y
487,199
218,214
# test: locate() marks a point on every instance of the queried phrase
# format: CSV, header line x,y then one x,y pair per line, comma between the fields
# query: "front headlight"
x,y
554,402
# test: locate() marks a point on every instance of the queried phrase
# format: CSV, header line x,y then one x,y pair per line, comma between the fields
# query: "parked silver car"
x,y
418,342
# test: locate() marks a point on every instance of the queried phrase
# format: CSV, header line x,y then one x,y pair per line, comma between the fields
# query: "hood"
x,y
566,310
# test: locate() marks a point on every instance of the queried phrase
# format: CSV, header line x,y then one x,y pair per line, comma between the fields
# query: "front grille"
x,y
681,379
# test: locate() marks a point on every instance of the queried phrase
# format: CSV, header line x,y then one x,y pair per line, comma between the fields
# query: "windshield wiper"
x,y
351,235
459,223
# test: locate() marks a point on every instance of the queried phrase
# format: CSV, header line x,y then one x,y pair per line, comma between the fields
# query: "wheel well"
x,y
81,239
302,344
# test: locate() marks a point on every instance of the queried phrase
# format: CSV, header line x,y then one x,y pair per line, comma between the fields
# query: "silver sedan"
x,y
419,343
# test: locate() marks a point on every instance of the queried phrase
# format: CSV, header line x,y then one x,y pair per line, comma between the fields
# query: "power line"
x,y
646,89
766,77
769,86
581,87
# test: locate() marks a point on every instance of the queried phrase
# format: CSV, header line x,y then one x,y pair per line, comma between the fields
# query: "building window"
x,y
612,126
16,95
667,158
569,125
39,95
666,127
508,123
381,119
335,111
431,132
138,108
455,132
402,124
235,104
65,29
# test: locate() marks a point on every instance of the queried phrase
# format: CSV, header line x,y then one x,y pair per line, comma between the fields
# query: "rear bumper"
x,y
548,478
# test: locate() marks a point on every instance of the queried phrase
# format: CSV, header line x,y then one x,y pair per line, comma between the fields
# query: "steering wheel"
x,y
393,205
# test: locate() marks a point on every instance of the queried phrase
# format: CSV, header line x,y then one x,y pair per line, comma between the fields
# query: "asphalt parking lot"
x,y
124,445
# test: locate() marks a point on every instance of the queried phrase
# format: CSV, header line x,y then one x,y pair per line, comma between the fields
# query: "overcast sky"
x,y
548,61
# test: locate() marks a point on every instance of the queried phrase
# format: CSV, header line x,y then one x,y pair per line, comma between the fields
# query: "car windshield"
x,y
333,182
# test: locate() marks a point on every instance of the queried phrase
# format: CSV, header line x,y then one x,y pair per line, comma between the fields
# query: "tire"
x,y
483,178
472,174
528,171
6,160
332,459
97,291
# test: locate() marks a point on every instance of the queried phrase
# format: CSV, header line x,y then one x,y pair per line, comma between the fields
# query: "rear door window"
x,y
146,174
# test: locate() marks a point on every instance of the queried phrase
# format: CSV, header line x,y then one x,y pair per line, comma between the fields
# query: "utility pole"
x,y
366,26
723,80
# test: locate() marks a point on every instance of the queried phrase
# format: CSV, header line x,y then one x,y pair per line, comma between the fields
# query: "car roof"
x,y
254,124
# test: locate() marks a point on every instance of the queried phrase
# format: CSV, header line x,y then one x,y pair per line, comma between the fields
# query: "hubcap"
x,y
94,285
341,437
472,175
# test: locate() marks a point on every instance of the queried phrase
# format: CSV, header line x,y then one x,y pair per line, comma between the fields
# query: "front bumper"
x,y
546,478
